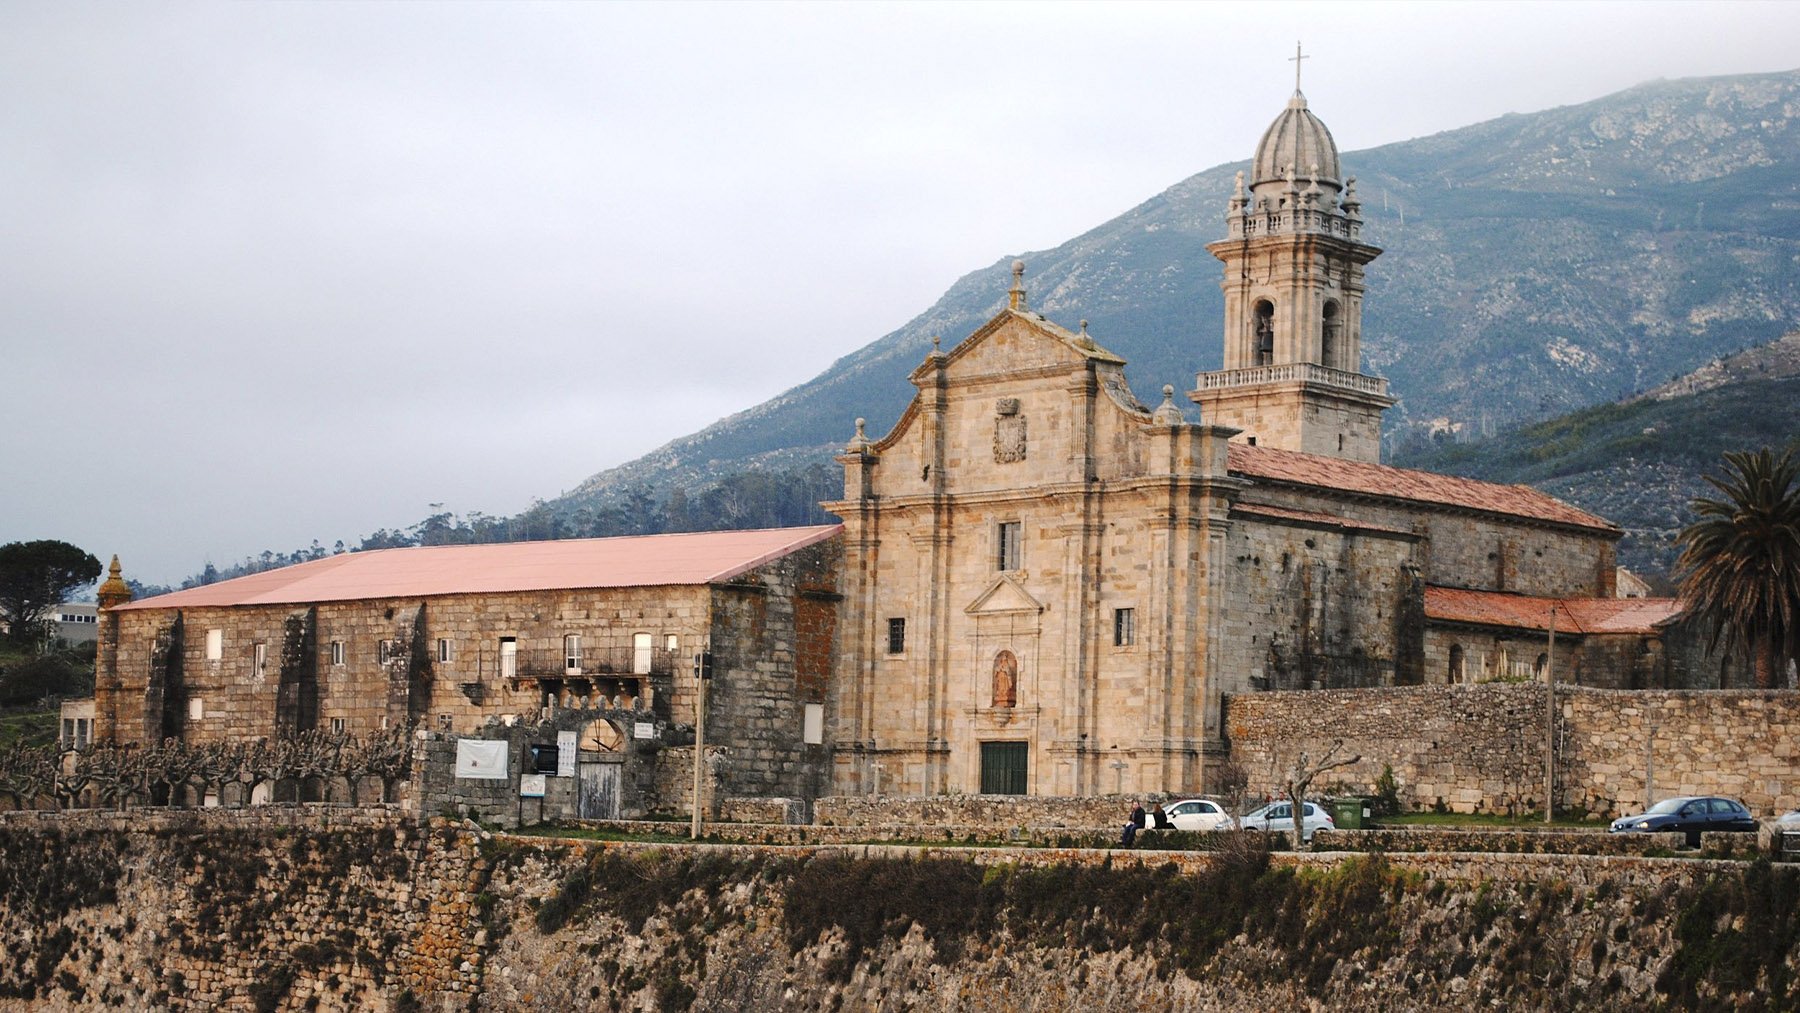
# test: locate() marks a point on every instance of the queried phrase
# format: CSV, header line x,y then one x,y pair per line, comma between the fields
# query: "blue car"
x,y
1689,814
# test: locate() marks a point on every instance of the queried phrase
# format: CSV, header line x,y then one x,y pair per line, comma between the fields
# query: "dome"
x,y
1297,138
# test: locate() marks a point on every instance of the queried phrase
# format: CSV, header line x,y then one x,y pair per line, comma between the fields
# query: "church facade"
x,y
1051,586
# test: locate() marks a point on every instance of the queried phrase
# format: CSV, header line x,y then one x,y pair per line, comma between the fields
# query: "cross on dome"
x,y
1295,60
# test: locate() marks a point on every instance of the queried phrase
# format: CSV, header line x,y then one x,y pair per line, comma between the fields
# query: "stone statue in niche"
x,y
1006,680
1009,432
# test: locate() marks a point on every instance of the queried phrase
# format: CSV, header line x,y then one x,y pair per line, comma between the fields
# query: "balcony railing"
x,y
1292,372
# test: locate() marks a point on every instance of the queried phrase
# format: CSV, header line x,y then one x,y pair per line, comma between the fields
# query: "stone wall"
x,y
1481,748
979,811
346,910
773,644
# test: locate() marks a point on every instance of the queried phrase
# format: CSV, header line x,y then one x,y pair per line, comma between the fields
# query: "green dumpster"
x,y
1347,812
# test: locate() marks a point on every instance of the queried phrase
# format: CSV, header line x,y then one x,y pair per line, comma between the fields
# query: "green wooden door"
x,y
1003,768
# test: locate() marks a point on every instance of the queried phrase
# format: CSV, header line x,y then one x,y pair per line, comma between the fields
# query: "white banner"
x,y
531,786
565,754
481,759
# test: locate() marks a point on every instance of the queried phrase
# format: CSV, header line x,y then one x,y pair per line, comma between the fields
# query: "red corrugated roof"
x,y
1573,615
703,557
1402,483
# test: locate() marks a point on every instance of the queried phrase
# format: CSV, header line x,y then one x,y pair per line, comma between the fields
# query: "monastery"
x,y
1041,584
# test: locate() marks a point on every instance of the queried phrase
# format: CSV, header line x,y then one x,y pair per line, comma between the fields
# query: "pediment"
x,y
1005,596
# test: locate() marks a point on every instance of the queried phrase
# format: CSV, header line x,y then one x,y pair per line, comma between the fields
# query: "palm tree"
x,y
1740,562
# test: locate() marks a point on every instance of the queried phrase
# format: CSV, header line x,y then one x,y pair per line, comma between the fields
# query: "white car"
x,y
1278,817
1198,814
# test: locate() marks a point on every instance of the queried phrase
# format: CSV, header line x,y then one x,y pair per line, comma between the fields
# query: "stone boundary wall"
x,y
1392,842
275,816
980,811
1481,748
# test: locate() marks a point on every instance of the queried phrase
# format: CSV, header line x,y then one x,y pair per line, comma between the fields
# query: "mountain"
x,y
1535,263
1641,461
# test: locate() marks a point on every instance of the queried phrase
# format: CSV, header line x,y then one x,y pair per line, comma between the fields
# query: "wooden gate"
x,y
599,799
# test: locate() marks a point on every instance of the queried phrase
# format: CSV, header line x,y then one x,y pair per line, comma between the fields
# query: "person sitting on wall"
x,y
1132,826
1159,819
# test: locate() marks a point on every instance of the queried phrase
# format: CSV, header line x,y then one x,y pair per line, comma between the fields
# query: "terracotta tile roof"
x,y
704,557
1402,483
1309,517
1573,615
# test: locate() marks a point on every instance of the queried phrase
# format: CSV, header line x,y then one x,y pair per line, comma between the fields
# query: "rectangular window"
x,y
572,654
896,636
215,645
1007,558
337,726
509,658
196,709
337,652
443,722
672,643
1003,768
84,730
642,650
812,724
445,653
1124,627
386,650
259,663
68,735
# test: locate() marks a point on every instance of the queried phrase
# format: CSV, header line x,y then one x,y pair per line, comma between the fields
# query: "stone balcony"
x,y
1293,372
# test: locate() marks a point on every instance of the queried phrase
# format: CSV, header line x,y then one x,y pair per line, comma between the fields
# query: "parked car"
x,y
1689,814
1198,814
1788,820
1278,817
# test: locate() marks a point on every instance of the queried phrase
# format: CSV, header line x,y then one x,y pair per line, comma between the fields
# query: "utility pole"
x,y
702,675
1550,724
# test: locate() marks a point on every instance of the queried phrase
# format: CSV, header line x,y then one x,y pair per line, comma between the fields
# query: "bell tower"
x,y
1293,284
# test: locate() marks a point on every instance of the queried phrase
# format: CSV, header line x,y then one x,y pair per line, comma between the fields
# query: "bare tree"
x,y
1301,778
1232,782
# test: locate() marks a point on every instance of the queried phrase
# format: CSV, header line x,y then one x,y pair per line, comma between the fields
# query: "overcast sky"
x,y
278,272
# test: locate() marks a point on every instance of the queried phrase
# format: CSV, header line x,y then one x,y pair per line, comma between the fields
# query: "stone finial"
x,y
1352,203
1293,180
1166,413
113,591
1085,340
1237,189
1015,296
860,442
937,349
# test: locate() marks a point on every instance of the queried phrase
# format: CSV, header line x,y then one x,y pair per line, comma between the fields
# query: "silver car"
x,y
1278,817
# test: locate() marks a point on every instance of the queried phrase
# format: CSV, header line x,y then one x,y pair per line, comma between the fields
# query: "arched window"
x,y
1328,339
599,736
1006,680
1265,332
1456,674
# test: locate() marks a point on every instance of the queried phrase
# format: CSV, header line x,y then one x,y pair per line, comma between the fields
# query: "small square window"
x,y
1124,627
337,726
386,650
672,643
1007,542
337,652
896,636
445,652
443,722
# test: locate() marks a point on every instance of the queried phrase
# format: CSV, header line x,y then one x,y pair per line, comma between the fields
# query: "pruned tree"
x,y
1301,777
1232,782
